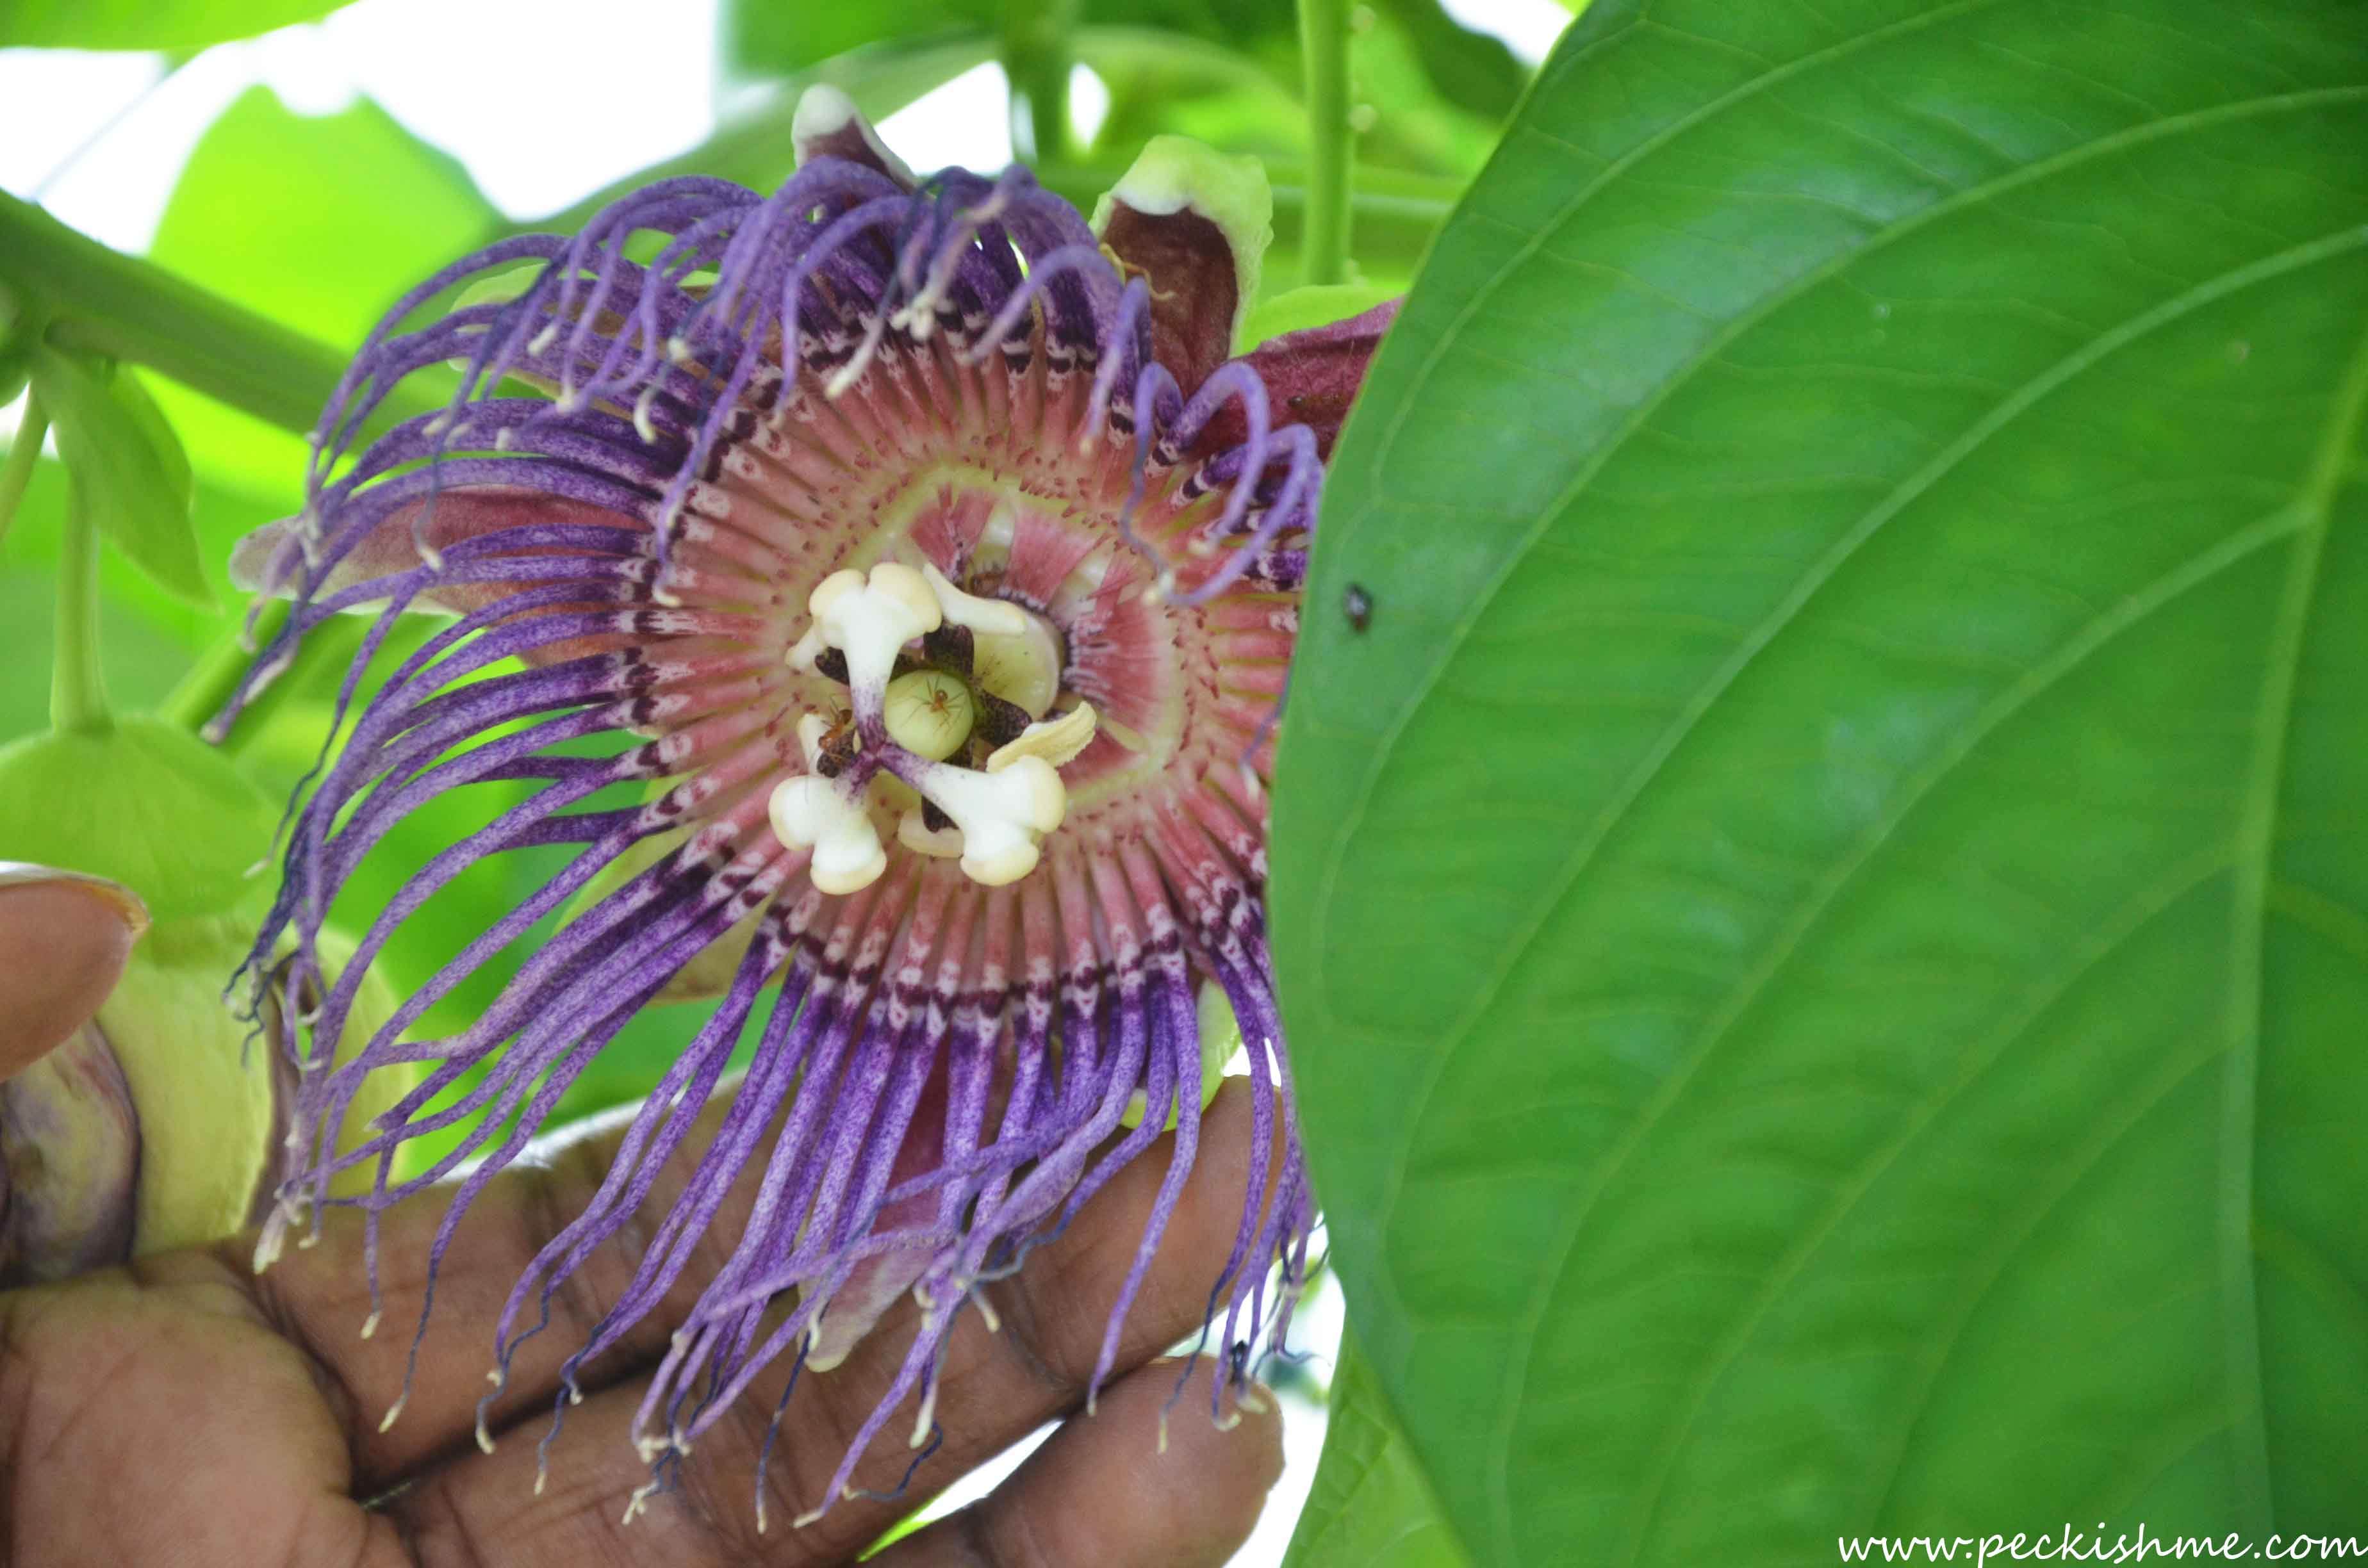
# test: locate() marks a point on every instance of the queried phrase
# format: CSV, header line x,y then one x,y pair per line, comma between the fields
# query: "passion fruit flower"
x,y
930,567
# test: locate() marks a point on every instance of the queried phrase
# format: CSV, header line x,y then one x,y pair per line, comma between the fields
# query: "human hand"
x,y
183,1410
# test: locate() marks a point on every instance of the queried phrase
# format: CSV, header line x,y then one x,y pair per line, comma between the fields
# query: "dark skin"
x,y
185,1411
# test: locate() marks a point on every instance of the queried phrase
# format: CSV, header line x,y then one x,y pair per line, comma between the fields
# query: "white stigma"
x,y
811,812
1003,816
871,620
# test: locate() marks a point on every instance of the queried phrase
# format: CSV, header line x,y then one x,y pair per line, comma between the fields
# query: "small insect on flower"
x,y
882,591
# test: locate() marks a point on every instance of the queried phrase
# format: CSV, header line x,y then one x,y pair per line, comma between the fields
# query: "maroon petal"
x,y
1311,377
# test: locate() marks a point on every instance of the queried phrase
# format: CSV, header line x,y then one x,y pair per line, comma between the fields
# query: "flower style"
x,y
930,567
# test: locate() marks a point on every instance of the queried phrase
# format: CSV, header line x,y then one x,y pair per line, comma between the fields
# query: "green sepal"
x,y
132,396
124,459
204,1083
146,804
203,1091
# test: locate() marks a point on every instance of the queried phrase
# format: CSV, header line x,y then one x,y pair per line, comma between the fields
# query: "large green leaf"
x,y
764,39
318,222
1369,1506
147,24
1824,924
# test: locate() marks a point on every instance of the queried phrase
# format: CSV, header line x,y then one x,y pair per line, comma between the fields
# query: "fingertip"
x,y
1239,1452
67,937
1150,1481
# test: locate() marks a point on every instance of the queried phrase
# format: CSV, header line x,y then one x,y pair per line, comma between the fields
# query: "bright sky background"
x,y
100,142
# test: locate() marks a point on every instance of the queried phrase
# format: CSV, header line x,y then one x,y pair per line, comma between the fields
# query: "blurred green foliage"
x,y
146,24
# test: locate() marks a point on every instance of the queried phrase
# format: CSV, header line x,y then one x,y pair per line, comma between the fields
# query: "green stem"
x,y
106,303
1323,47
1035,49
77,687
203,692
23,452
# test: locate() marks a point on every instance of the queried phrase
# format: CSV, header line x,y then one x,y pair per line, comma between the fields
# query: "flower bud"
x,y
69,1160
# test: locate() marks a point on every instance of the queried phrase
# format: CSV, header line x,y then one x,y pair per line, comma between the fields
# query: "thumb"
x,y
64,939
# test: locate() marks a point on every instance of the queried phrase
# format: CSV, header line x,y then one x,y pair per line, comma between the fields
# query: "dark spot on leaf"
x,y
1358,605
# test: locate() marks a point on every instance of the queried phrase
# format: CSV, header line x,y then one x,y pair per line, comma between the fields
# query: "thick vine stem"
x,y
103,302
1036,55
1324,45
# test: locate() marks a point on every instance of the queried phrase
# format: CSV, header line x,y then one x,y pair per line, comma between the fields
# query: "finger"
x,y
996,1387
1129,1486
318,1296
65,936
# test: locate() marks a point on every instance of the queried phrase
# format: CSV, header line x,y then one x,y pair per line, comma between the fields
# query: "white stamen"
x,y
1022,667
929,1416
994,618
812,729
805,651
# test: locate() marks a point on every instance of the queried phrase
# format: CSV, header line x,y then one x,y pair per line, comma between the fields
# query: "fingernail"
x,y
126,904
